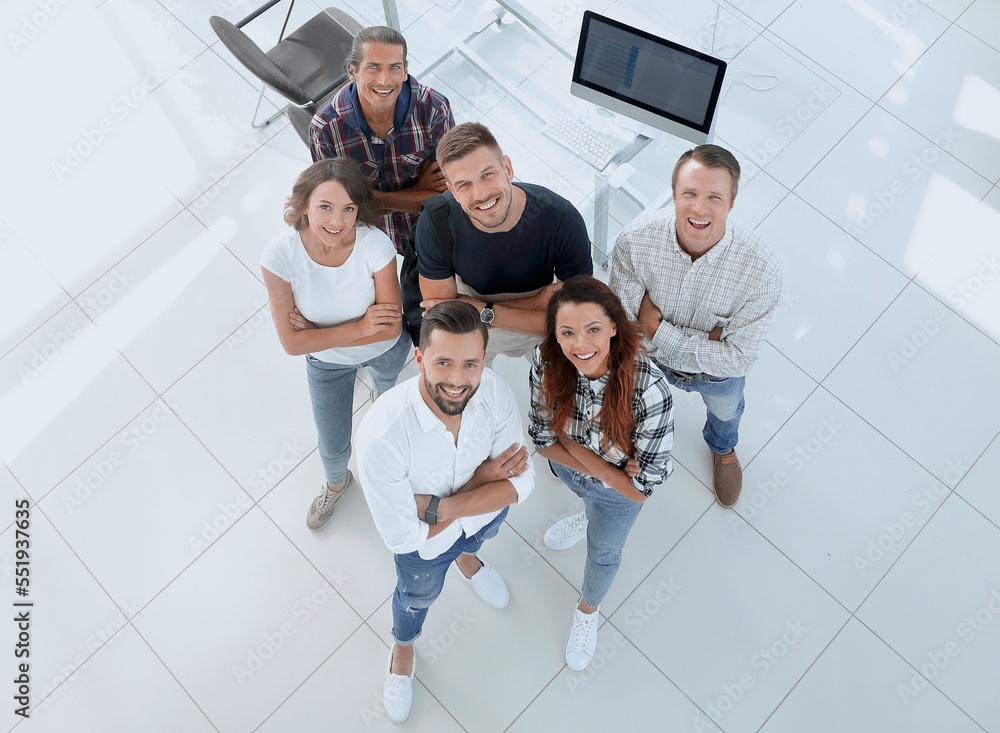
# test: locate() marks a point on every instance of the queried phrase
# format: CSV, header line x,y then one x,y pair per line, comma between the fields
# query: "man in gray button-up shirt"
x,y
703,290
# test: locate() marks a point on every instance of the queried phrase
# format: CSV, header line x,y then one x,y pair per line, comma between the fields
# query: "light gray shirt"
x,y
736,285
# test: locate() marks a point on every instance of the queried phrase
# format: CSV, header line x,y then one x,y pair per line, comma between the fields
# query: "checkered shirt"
x,y
337,130
654,416
736,285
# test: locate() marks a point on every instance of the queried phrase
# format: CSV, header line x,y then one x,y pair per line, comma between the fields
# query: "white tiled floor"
x,y
166,445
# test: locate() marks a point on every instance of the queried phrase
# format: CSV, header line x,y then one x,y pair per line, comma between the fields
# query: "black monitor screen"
x,y
653,73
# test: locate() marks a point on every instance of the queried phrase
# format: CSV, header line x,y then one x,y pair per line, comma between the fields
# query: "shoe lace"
x,y
575,526
325,500
578,634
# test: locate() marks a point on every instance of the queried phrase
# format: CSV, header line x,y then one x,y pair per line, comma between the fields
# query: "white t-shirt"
x,y
333,296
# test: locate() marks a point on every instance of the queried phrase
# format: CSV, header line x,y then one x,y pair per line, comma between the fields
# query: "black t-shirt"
x,y
550,238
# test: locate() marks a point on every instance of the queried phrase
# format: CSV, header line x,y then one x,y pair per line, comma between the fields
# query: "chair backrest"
x,y
259,64
301,119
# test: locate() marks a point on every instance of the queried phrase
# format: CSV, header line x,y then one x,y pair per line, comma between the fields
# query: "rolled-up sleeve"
x,y
539,430
739,347
654,436
510,431
389,493
623,279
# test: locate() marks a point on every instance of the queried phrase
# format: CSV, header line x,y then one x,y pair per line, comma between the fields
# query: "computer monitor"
x,y
649,79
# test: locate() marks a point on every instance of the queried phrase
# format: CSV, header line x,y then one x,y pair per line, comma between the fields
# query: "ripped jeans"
x,y
419,582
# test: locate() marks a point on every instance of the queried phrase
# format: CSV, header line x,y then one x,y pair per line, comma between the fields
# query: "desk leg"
x,y
602,207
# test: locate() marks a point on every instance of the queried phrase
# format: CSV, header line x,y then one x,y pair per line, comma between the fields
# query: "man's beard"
x,y
448,407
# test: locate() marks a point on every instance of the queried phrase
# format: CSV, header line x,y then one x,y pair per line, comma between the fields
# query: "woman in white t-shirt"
x,y
334,294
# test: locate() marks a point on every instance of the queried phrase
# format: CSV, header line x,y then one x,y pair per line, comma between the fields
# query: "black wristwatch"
x,y
431,515
486,315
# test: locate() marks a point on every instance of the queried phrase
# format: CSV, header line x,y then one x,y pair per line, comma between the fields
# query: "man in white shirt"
x,y
703,290
441,457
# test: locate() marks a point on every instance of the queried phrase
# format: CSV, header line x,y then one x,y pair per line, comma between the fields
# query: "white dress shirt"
x,y
404,449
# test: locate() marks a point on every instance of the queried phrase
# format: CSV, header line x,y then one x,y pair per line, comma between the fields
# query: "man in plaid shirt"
x,y
390,124
703,291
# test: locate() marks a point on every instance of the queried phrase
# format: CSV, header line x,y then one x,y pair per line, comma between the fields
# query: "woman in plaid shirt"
x,y
601,413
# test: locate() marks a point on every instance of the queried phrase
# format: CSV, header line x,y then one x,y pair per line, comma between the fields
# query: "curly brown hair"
x,y
557,393
344,171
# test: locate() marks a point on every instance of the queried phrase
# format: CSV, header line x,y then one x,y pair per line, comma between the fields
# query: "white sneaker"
x,y
566,532
582,640
397,692
488,583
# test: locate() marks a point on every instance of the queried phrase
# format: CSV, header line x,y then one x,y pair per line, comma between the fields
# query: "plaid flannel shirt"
x,y
653,436
336,130
736,285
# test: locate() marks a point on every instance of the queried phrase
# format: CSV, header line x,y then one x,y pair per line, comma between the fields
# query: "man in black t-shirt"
x,y
513,243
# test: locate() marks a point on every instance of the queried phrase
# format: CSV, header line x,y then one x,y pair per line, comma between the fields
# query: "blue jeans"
x,y
331,387
419,582
610,517
723,398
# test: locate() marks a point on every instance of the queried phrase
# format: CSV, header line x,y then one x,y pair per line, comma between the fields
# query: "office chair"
x,y
306,68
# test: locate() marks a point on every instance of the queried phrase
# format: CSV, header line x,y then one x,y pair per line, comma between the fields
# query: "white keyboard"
x,y
580,139
446,4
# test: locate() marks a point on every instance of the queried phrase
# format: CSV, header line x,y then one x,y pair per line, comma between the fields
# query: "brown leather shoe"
x,y
728,477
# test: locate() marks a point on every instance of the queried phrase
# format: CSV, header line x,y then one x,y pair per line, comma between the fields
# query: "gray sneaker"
x,y
322,508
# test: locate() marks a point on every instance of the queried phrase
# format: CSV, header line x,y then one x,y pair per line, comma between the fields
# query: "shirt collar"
x,y
426,418
403,104
596,385
717,249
